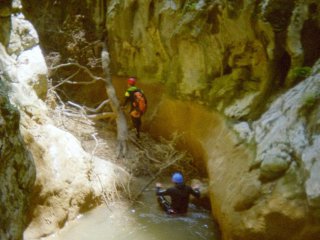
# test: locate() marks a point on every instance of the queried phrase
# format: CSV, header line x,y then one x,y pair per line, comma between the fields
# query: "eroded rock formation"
x,y
46,176
236,57
17,171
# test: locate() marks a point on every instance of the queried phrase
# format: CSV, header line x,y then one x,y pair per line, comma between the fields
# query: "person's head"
x,y
177,178
131,81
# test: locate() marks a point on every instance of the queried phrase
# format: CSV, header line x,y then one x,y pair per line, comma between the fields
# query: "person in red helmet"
x,y
132,81
138,103
179,195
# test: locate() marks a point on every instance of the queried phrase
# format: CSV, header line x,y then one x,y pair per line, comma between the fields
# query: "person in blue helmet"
x,y
179,195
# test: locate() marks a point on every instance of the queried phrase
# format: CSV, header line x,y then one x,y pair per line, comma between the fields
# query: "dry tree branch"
x,y
170,163
85,69
102,115
118,114
96,175
93,116
145,151
83,109
64,81
97,109
159,151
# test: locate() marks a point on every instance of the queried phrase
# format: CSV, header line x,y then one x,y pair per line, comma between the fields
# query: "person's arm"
x,y
160,191
195,191
126,98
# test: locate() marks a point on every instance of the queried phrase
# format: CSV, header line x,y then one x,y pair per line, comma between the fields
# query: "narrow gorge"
x,y
238,81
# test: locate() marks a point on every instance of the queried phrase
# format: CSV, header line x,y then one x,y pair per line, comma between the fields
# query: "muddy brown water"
x,y
143,221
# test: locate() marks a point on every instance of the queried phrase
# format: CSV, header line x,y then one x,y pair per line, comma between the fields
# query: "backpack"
x,y
139,104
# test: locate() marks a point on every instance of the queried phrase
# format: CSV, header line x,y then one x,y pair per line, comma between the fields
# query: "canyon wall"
x,y
254,63
46,176
17,171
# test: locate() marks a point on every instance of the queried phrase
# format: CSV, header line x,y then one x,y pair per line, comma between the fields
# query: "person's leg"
x,y
138,127
165,205
137,124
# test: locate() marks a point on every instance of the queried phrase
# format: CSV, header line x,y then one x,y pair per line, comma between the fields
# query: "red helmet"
x,y
132,81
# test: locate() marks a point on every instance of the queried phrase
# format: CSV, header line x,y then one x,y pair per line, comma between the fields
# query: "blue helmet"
x,y
177,178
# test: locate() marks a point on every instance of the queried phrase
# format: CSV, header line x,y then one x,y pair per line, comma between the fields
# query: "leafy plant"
x,y
301,72
191,6
310,100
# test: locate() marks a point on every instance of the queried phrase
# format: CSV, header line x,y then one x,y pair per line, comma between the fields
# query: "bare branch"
x,y
145,151
65,80
94,116
107,101
102,115
85,69
75,105
170,163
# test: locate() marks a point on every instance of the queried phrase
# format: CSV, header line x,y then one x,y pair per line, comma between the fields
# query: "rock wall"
x,y
229,55
47,178
236,57
17,172
263,177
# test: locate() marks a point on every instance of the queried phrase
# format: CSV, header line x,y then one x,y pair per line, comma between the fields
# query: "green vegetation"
x,y
191,6
301,72
310,100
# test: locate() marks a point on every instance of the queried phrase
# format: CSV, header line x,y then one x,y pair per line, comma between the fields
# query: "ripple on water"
x,y
144,222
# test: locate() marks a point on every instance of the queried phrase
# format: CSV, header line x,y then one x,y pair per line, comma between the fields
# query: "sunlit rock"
x,y
274,164
32,70
69,180
310,159
244,131
23,35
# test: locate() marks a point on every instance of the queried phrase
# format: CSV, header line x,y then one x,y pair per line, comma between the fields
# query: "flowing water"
x,y
144,221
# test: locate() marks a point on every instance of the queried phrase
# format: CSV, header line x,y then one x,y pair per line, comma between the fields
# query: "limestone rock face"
x,y
45,174
234,56
286,162
231,55
69,181
17,172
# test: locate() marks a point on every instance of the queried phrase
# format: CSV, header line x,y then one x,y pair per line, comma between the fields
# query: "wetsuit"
x,y
129,97
179,195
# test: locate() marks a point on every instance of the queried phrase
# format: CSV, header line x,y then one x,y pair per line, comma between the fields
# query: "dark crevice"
x,y
213,19
283,65
151,10
277,15
310,38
